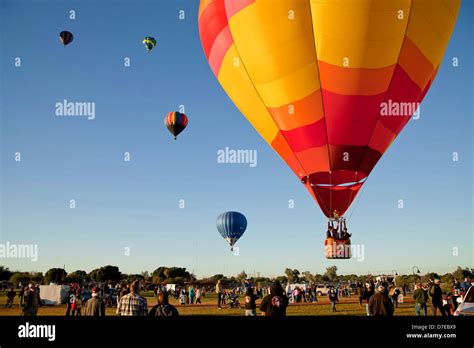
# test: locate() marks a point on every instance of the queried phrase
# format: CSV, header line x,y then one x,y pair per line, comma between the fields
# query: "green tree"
x,y
308,277
20,277
461,273
5,273
76,277
55,275
282,279
292,275
331,273
241,277
106,273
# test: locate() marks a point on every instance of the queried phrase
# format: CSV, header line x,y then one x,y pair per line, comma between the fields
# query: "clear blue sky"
x,y
135,204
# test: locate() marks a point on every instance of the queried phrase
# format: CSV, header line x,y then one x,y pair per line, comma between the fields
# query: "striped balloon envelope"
x,y
149,43
176,122
231,225
66,37
329,84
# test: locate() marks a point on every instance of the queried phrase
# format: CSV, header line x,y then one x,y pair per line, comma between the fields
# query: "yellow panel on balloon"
x,y
237,84
278,51
431,25
359,34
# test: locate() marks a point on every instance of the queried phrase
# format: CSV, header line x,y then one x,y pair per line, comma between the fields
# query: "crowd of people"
x,y
380,298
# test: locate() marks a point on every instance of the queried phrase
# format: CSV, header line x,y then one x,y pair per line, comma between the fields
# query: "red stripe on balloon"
x,y
211,22
234,6
220,47
306,137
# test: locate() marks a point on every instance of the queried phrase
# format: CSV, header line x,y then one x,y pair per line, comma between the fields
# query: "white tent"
x,y
53,294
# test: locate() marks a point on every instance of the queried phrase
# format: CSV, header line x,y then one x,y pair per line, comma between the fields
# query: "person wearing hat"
x,y
436,295
380,304
95,306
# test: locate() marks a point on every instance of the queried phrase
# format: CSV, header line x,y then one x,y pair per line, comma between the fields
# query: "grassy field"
x,y
346,306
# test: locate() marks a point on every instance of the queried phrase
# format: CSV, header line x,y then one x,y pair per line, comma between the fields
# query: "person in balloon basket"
x,y
95,306
163,308
436,295
132,304
274,304
250,304
380,304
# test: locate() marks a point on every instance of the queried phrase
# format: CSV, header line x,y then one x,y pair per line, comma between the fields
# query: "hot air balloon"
x,y
176,122
231,225
314,78
149,43
66,37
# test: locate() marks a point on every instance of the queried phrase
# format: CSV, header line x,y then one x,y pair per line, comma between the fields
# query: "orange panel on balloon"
x,y
315,159
354,81
415,64
280,145
300,113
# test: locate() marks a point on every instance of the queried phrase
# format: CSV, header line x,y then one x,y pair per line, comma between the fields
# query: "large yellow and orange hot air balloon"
x,y
313,76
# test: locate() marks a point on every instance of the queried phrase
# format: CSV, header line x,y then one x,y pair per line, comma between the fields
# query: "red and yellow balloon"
x,y
311,77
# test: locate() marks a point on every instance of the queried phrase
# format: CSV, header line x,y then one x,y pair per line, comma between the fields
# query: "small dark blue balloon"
x,y
231,225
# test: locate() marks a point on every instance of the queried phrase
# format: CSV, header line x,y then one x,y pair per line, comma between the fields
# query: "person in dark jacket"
x,y
367,294
420,297
163,308
10,297
274,304
95,306
250,305
32,301
360,293
436,295
332,294
380,304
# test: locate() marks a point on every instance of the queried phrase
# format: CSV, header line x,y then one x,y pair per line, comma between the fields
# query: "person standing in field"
x,y
367,294
95,306
133,304
163,308
219,291
10,297
32,301
360,293
436,295
420,297
380,304
191,294
333,299
77,303
198,295
250,305
21,296
274,304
